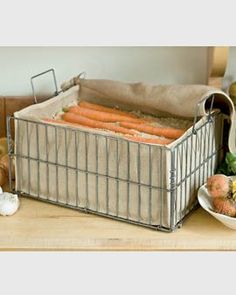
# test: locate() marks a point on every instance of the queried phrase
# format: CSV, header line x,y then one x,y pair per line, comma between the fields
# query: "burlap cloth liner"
x,y
100,195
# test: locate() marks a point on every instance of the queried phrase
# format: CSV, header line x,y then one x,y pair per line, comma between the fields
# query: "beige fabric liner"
x,y
174,100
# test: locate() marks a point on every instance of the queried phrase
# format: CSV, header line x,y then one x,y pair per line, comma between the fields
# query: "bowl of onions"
x,y
218,197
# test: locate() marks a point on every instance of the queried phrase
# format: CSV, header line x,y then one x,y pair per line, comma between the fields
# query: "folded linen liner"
x,y
184,101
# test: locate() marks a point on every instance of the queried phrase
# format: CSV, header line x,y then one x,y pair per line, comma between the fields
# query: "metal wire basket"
x,y
149,185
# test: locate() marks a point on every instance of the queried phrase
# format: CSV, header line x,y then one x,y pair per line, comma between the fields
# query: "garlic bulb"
x,y
9,203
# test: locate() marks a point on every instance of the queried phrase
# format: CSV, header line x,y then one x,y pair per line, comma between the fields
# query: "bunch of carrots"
x,y
106,118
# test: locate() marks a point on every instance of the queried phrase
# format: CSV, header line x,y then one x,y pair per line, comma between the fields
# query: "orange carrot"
x,y
58,121
97,107
102,116
78,119
160,131
63,122
130,137
149,140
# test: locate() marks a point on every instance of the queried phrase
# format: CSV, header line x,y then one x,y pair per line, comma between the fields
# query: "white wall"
x,y
149,64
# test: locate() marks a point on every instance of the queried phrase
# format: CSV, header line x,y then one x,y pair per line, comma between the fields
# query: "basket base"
x,y
89,211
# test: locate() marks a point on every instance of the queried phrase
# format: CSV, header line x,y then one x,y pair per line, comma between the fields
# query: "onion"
x,y
4,164
219,185
3,146
3,176
9,203
225,206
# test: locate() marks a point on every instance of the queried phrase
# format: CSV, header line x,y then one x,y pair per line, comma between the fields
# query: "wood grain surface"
x,y
39,226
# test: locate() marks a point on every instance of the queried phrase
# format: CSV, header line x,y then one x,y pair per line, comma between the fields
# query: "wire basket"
x,y
135,196
145,184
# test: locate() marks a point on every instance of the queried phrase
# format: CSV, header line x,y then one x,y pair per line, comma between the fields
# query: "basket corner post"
x,y
10,150
172,190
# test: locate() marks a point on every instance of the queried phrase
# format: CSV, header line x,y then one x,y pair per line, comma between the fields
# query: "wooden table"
x,y
40,226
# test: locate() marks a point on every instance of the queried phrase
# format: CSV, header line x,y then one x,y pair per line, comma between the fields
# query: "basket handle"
x,y
40,74
197,111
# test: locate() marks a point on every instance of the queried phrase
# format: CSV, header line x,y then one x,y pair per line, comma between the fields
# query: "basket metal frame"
x,y
174,183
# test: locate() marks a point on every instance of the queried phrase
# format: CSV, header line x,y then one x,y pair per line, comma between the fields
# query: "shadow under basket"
x,y
149,185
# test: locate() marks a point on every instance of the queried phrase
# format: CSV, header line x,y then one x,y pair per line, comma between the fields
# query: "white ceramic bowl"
x,y
205,201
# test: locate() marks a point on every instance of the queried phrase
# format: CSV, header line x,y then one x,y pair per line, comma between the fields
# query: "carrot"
x,y
130,137
63,122
149,140
78,119
102,116
97,107
58,121
160,131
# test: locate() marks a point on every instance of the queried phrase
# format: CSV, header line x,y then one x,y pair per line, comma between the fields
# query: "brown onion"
x,y
3,176
219,185
3,146
225,206
4,163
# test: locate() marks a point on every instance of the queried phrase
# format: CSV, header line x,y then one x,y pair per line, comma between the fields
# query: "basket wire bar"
x,y
184,176
150,182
